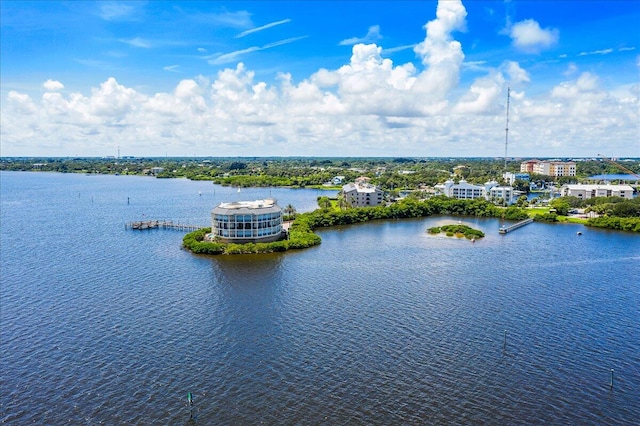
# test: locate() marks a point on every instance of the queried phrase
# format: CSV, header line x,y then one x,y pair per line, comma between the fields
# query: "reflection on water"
x,y
252,271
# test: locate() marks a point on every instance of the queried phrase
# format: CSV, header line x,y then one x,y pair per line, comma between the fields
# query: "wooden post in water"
x,y
611,385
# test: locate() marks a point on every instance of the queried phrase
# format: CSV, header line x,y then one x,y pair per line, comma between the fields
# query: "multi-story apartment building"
x,y
467,191
549,168
527,166
590,191
362,193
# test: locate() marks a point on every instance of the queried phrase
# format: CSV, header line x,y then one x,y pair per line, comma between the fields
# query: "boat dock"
x,y
505,229
161,224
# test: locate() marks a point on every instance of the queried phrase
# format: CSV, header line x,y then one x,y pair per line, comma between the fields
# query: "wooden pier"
x,y
161,224
505,229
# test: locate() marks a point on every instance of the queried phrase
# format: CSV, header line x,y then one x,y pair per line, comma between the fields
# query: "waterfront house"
x,y
247,221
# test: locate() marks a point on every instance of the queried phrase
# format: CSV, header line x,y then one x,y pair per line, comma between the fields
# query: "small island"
x,y
457,230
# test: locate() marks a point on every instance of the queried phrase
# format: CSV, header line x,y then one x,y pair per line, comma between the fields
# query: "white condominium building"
x,y
467,191
362,194
590,191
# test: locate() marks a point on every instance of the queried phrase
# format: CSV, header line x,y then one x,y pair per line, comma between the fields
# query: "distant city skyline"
x,y
354,78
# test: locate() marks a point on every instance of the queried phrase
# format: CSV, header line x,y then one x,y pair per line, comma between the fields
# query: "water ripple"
x,y
380,324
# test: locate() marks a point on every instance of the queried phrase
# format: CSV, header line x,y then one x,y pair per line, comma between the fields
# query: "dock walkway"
x,y
161,224
505,229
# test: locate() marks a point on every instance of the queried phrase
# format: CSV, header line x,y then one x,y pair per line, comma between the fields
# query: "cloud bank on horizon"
x,y
576,98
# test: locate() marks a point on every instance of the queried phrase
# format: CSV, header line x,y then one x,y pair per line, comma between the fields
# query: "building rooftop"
x,y
360,187
234,207
593,187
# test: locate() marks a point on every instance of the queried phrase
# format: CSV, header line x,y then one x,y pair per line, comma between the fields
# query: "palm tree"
x,y
342,201
290,210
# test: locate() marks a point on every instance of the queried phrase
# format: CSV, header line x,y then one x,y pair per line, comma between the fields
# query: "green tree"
x,y
237,165
522,201
561,205
574,202
324,203
627,208
521,185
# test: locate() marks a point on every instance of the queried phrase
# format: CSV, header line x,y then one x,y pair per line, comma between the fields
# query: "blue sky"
x,y
319,78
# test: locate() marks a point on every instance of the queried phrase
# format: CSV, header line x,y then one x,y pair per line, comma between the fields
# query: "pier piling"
x,y
611,384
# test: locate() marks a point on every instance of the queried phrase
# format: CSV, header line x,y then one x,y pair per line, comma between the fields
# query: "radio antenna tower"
x,y
506,131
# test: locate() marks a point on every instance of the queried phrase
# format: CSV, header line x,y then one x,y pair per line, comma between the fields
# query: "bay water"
x,y
380,324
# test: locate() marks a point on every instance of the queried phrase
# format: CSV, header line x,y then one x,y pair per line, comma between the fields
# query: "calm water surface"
x,y
380,324
628,177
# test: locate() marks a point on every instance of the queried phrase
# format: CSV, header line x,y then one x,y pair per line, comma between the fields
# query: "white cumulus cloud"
x,y
529,37
483,96
441,53
52,85
516,73
367,106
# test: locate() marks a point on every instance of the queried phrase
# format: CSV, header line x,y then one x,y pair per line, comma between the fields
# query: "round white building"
x,y
247,221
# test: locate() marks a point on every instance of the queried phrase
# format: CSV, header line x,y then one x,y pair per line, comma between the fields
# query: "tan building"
x,y
549,168
527,166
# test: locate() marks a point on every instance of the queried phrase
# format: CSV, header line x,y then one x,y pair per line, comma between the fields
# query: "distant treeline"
x,y
390,174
